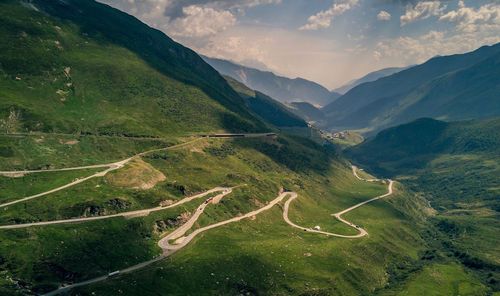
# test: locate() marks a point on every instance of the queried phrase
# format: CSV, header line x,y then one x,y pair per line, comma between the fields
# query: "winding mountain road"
x,y
362,232
180,240
177,239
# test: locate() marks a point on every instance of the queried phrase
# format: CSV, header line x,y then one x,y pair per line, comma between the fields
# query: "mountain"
x,y
102,164
281,88
267,108
89,76
372,76
462,86
307,111
456,165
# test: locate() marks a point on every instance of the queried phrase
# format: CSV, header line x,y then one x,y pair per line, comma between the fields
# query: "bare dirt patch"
x,y
136,175
13,175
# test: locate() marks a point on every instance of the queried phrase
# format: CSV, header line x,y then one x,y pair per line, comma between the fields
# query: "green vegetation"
x,y
324,183
13,188
455,166
45,151
347,139
265,107
440,280
64,69
82,84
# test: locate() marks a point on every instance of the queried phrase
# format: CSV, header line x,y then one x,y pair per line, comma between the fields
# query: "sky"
x,y
327,41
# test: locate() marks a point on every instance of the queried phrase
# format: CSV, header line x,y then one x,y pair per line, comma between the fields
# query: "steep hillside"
x,y
278,87
456,167
372,76
307,111
268,109
457,87
83,67
440,153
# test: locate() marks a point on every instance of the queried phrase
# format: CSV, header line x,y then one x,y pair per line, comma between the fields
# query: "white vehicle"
x,y
114,273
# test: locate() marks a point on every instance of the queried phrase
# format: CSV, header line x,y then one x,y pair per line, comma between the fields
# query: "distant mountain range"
x,y
462,86
285,90
369,78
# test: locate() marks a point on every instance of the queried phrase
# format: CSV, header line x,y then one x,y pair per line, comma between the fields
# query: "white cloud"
x,y
187,18
384,16
201,22
469,20
422,10
238,49
410,50
323,19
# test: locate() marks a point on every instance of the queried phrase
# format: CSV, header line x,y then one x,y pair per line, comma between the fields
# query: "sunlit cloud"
x,y
323,19
422,10
384,16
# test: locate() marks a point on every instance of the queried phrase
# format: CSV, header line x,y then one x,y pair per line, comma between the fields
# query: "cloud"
x,y
422,10
384,16
323,19
187,18
469,20
201,22
175,8
410,50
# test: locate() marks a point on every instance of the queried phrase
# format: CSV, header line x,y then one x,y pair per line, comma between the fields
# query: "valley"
x,y
140,154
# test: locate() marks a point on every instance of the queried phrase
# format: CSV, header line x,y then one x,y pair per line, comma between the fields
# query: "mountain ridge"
x,y
283,89
370,77
392,100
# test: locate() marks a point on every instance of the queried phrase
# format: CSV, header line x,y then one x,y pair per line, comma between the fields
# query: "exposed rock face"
x,y
118,203
162,225
93,210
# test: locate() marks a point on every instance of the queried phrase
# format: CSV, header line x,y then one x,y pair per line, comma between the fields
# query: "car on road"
x,y
114,273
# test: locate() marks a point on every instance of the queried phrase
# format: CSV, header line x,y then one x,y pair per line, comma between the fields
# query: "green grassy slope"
x,y
440,154
83,67
46,256
455,166
265,107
